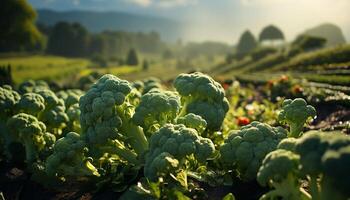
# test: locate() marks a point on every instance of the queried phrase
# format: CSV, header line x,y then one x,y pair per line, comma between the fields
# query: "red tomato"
x,y
270,83
242,121
284,78
297,89
225,86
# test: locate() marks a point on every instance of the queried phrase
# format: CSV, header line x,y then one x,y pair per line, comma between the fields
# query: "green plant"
x,y
245,149
296,113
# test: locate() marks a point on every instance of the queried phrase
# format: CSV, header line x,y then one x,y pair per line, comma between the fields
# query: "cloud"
x,y
143,3
162,3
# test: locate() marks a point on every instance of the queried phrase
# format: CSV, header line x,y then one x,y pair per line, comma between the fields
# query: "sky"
x,y
224,20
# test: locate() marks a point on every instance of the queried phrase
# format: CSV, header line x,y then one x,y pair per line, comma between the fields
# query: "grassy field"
x,y
43,67
63,70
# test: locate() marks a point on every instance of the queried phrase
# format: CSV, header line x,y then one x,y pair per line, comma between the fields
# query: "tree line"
x,y
19,33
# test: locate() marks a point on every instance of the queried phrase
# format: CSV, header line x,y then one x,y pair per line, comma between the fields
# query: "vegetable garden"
x,y
191,138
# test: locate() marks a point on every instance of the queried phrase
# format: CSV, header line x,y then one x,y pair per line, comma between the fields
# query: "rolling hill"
x,y
170,30
331,32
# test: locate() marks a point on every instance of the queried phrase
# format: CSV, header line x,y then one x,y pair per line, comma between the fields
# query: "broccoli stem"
x,y
295,129
115,147
136,137
31,153
314,189
287,189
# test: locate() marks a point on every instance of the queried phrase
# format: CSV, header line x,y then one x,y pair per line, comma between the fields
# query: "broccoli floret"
x,y
161,166
68,158
201,95
27,130
138,85
311,148
193,121
70,97
8,106
151,84
31,85
296,113
280,170
31,103
54,115
245,149
8,100
288,144
335,182
178,142
106,119
73,113
156,109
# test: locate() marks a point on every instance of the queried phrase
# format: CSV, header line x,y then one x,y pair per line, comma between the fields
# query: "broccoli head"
x,y
245,149
31,103
203,96
27,130
70,97
178,141
335,183
156,109
280,169
73,113
151,84
288,144
54,115
68,158
193,121
105,118
31,85
8,100
296,113
312,147
161,166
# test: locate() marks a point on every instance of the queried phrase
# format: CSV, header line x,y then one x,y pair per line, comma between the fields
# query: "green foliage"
x,y
132,58
18,30
245,149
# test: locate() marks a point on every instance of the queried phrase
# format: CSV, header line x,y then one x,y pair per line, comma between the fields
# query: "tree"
x,y
17,28
145,65
132,58
271,33
246,44
70,40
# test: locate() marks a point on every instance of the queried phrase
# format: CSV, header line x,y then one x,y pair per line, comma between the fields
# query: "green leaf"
x,y
229,196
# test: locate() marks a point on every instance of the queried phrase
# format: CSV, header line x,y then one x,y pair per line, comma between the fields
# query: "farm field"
x,y
174,100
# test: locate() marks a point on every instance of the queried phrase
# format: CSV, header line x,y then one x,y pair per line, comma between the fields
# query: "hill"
x,y
169,29
331,32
